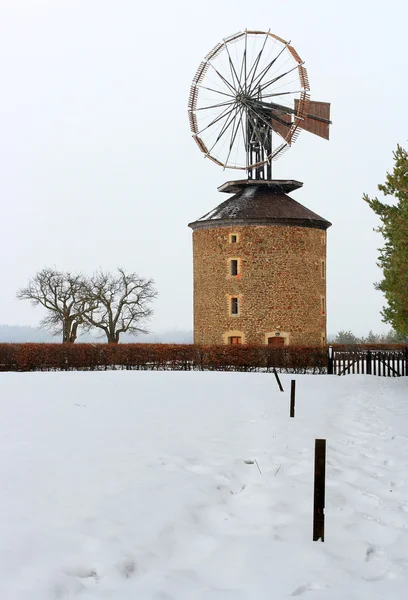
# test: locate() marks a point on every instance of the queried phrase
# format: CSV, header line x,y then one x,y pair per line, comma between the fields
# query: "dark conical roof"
x,y
256,205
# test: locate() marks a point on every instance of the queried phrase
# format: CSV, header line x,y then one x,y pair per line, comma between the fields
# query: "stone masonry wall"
x,y
281,284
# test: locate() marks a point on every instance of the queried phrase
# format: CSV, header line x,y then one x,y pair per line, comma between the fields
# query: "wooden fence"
x,y
385,363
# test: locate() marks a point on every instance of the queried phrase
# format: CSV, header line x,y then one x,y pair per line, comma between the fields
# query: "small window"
x,y
323,269
234,305
235,339
233,267
323,306
233,238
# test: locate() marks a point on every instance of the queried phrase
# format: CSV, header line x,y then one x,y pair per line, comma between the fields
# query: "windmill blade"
x,y
317,118
282,124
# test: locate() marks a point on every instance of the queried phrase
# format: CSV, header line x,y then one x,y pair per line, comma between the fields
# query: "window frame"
x,y
233,333
232,300
235,262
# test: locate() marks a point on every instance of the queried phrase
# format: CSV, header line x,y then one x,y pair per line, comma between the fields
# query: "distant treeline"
x,y
348,337
20,334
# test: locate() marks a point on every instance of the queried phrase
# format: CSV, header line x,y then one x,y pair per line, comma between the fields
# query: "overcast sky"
x,y
98,167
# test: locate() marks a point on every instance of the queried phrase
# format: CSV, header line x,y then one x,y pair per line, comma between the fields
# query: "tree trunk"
x,y
66,331
69,330
73,335
112,336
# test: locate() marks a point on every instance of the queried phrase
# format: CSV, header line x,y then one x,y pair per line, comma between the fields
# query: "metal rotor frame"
x,y
250,109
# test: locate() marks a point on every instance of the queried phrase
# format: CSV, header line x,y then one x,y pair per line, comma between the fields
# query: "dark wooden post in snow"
x,y
292,397
278,380
319,490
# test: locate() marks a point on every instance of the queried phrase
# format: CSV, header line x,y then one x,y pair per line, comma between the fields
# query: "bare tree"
x,y
119,303
63,295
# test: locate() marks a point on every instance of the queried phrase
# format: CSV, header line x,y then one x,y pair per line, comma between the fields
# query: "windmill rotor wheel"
x,y
249,99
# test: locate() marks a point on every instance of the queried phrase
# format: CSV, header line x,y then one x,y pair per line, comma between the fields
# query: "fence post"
x,y
369,359
319,490
330,360
292,397
278,380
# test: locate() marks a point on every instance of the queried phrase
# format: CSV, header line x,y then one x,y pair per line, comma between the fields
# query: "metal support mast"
x,y
258,145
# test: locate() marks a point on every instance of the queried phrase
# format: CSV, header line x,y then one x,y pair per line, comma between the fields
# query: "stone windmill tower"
x,y
260,256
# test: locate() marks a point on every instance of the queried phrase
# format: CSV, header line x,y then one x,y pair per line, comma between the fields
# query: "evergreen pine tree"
x,y
393,257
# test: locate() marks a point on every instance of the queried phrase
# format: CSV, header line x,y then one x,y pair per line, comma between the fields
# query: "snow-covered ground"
x,y
135,485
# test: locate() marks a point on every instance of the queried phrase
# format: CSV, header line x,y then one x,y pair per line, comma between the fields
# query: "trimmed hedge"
x,y
172,357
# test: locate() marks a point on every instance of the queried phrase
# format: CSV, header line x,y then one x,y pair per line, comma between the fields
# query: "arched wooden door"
x,y
276,341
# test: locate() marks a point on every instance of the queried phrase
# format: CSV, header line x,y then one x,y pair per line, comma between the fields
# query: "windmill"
x,y
259,256
249,100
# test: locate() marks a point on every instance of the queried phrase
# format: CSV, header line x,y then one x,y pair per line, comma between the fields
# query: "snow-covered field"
x,y
134,485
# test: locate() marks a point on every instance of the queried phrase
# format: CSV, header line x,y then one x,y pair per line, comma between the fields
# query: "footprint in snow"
x,y
126,568
370,553
306,587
